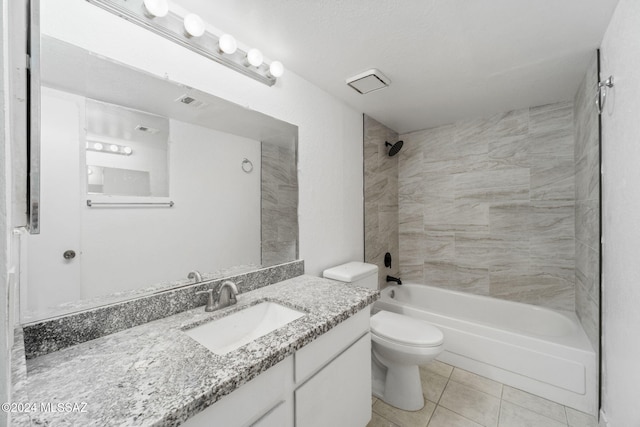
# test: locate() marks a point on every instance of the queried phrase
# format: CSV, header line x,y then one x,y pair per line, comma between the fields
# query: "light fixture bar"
x,y
171,26
108,148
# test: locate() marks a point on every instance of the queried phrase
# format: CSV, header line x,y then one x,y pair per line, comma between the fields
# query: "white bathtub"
x,y
542,351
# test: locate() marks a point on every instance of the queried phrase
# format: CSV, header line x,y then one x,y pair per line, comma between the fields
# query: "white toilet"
x,y
399,343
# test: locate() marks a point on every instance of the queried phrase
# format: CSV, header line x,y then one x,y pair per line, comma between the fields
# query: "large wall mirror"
x,y
143,180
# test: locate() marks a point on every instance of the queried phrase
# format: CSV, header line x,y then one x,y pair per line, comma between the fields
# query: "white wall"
x,y
330,133
5,186
621,218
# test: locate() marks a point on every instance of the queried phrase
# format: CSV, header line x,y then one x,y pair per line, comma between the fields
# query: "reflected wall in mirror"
x,y
124,139
127,151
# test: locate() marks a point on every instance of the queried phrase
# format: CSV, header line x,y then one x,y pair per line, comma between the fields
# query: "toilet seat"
x,y
404,330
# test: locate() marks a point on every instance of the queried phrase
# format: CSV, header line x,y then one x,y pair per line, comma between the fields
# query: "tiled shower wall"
x,y
381,198
587,158
279,205
487,206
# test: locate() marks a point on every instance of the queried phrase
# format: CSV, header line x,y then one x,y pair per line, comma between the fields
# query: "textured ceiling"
x,y
447,59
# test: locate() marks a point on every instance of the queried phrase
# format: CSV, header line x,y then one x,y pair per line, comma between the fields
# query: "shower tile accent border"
x,y
50,335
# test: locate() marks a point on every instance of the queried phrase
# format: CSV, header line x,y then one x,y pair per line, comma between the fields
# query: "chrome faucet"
x,y
227,294
195,274
224,297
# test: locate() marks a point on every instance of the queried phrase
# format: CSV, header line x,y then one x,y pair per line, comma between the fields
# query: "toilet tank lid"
x,y
351,271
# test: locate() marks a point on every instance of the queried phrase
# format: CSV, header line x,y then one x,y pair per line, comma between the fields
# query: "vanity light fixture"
x,y
276,69
254,57
99,147
190,31
156,8
193,25
227,44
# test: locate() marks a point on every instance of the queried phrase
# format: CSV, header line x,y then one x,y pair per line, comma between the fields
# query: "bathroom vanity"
x,y
314,371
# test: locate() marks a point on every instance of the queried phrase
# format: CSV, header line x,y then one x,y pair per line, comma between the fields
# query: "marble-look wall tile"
x,y
588,269
551,117
587,310
558,143
385,184
439,245
587,205
498,196
509,152
587,227
552,178
279,204
552,219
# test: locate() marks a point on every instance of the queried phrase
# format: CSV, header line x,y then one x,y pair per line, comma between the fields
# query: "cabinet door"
x,y
340,394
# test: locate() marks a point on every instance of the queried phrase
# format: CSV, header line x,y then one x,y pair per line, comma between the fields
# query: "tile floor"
x,y
457,398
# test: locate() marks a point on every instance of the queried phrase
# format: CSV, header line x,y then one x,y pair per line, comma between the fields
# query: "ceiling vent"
x,y
147,129
191,101
368,81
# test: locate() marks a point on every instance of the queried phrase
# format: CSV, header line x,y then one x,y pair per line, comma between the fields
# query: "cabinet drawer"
x,y
250,401
315,355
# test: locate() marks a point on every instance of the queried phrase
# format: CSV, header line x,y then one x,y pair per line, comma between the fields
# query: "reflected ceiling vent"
x,y
147,129
368,81
191,101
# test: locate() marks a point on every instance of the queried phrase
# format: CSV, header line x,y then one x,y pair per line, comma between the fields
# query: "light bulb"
x,y
193,25
254,57
156,8
227,44
276,69
98,146
127,150
114,148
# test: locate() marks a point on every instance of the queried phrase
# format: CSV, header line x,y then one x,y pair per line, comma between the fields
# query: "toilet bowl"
x,y
399,344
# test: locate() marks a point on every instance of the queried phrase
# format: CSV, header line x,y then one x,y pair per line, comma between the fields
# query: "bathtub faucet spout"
x,y
394,279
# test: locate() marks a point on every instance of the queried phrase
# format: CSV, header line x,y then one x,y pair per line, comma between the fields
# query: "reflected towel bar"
x,y
167,204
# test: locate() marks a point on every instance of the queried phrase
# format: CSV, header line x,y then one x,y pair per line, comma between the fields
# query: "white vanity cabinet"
x,y
257,399
325,383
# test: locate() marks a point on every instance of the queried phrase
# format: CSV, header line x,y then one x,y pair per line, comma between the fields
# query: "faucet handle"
x,y
210,302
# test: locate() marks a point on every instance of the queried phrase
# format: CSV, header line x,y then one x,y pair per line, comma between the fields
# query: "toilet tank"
x,y
354,273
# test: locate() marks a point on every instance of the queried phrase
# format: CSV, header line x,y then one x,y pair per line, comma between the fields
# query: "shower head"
x,y
394,147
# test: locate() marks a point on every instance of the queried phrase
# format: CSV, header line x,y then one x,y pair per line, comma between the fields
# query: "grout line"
x,y
538,413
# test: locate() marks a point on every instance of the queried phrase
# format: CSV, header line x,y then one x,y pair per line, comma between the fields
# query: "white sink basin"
x,y
235,330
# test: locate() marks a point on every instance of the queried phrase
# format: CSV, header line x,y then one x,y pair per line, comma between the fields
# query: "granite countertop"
x,y
155,375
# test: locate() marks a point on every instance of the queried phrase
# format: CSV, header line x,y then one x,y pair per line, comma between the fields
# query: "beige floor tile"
x,y
534,403
512,415
432,385
470,403
378,421
405,418
373,400
438,367
442,417
477,382
580,419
